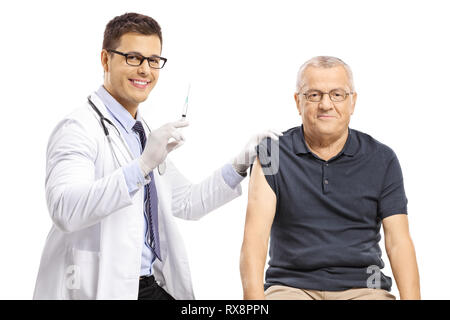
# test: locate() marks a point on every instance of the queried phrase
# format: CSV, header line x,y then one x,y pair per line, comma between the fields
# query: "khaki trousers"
x,y
278,292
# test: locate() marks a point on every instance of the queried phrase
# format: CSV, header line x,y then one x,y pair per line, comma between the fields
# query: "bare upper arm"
x,y
396,229
261,205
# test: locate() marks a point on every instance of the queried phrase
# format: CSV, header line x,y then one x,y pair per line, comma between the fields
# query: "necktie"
x,y
150,200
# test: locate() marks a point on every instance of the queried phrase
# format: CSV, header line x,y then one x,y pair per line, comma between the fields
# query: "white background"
x,y
241,58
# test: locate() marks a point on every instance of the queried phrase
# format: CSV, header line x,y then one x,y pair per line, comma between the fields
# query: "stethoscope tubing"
x,y
103,119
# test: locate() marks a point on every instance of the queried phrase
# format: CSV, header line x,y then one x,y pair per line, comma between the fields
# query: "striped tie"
x,y
150,200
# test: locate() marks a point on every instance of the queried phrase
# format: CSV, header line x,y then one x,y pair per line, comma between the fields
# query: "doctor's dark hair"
x,y
129,22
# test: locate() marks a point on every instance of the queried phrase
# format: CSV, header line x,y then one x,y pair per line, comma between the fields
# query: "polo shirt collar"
x,y
298,141
116,109
351,144
300,147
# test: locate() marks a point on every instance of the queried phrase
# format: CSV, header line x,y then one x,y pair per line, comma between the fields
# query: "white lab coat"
x,y
93,250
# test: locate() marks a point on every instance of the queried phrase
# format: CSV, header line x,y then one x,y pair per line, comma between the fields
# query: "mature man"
x,y
324,203
113,234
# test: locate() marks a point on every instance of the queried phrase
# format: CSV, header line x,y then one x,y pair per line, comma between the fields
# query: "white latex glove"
x,y
158,145
246,157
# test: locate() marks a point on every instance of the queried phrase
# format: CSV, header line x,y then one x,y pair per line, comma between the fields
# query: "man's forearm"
x,y
402,257
252,271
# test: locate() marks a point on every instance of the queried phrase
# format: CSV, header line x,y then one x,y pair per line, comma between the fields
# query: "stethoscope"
x,y
104,121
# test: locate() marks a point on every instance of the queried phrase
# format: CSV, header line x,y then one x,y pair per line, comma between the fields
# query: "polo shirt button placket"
x,y
325,178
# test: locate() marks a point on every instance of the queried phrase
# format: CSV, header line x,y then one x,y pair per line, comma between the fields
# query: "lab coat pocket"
x,y
82,274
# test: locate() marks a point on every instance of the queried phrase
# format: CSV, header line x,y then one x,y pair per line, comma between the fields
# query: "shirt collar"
x,y
300,147
117,110
298,141
351,145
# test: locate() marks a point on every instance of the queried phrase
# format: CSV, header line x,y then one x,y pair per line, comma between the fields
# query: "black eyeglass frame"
x,y
142,58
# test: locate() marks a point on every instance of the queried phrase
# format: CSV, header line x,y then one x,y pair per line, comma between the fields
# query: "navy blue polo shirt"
x,y
326,228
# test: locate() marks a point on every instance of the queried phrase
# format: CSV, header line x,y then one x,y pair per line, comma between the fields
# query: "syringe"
x,y
186,103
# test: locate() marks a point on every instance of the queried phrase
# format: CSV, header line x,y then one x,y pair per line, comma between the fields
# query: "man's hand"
x,y
158,145
246,157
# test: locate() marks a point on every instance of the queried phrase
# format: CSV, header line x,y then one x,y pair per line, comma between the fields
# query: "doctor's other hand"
x,y
247,155
158,145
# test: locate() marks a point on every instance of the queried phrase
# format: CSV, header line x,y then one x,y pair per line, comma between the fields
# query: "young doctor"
x,y
112,194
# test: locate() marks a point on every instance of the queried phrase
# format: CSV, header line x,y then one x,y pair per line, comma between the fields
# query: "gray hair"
x,y
324,62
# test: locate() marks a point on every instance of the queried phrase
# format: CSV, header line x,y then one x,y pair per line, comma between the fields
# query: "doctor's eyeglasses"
x,y
336,95
136,59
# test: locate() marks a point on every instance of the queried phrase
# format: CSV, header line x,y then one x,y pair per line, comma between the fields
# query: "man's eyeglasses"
x,y
136,59
336,95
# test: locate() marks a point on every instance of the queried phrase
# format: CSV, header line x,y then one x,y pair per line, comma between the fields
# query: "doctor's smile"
x,y
141,84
